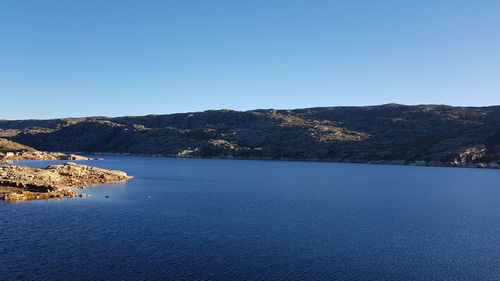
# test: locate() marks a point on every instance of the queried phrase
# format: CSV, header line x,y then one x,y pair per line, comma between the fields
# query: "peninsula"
x,y
11,151
20,183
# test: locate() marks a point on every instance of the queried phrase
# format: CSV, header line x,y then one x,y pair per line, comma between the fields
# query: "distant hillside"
x,y
10,146
393,133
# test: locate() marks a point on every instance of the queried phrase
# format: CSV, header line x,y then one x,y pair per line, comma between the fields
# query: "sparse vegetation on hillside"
x,y
10,146
392,133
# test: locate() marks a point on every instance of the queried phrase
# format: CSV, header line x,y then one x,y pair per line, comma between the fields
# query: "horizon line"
x,y
256,109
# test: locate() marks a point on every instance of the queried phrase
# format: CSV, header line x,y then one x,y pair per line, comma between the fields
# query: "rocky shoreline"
x,y
29,195
20,183
41,155
74,156
453,164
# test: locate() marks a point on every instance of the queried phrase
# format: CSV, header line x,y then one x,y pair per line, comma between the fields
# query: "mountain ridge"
x,y
437,135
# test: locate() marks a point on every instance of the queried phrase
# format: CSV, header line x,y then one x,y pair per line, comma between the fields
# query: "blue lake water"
x,y
194,219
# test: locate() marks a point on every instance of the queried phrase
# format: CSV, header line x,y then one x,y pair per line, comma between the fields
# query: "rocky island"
x,y
56,181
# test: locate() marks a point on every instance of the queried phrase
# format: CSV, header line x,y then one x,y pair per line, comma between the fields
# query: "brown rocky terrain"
x,y
29,195
41,155
435,135
11,151
10,146
55,181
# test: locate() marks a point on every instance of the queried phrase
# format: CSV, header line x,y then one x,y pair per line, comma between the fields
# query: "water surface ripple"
x,y
193,219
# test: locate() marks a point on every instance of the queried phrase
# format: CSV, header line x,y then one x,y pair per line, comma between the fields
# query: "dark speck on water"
x,y
260,220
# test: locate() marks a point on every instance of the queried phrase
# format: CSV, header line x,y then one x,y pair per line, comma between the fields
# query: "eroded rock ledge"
x,y
40,155
55,181
29,195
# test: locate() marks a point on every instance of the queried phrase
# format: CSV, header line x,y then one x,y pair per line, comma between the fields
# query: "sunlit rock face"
x,y
55,181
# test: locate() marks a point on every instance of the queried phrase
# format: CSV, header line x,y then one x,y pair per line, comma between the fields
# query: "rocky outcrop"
x,y
29,195
41,155
10,146
435,135
52,182
471,155
11,151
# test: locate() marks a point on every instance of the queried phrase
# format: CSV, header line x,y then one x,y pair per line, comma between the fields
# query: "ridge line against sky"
x,y
255,109
123,57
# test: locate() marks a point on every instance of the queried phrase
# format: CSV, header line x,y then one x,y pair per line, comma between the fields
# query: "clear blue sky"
x,y
104,57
